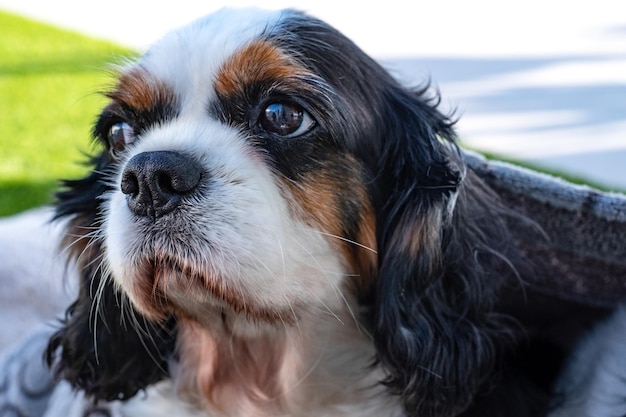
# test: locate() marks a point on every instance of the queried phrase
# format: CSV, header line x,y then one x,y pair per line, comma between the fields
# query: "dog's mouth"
x,y
164,285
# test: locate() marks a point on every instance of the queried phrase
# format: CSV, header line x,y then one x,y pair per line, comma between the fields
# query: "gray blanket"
x,y
579,250
25,382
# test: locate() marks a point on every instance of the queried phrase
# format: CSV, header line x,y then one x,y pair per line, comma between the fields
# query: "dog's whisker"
x,y
331,283
78,238
97,312
341,238
146,337
296,321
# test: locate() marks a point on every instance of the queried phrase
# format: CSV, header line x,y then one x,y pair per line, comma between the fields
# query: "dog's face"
x,y
258,167
233,186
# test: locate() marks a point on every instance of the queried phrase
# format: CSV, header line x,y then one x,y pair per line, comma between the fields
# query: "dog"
x,y
278,227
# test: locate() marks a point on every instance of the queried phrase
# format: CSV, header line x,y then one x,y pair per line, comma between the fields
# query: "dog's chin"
x,y
163,286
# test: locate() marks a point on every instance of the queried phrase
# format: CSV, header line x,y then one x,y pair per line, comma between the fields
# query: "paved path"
x,y
542,81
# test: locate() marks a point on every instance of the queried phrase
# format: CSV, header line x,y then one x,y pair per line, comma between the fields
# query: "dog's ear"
x,y
104,346
432,303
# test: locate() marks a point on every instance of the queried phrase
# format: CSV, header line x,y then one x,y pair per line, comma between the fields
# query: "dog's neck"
x,y
320,365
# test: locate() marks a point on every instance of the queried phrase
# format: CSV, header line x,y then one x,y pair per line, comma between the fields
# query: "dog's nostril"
x,y
156,182
165,183
130,184
179,180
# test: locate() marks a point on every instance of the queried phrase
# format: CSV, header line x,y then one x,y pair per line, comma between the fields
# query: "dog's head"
x,y
259,167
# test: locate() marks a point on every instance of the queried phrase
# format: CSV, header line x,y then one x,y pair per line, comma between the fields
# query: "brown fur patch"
x,y
257,62
139,90
420,234
318,204
322,197
364,259
232,374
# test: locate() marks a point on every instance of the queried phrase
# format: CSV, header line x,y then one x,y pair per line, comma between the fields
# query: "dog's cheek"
x,y
333,202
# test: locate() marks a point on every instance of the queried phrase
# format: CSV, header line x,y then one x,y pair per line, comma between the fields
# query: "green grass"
x,y
49,84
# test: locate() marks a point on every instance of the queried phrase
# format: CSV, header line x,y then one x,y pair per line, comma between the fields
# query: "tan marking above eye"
x,y
256,62
140,90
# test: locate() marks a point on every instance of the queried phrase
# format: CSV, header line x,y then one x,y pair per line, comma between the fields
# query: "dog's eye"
x,y
286,119
120,134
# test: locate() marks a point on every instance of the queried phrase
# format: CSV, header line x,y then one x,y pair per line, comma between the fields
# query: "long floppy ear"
x,y
103,347
432,319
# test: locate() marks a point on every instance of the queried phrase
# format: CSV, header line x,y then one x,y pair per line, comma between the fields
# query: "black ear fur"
x,y
108,350
433,320
108,354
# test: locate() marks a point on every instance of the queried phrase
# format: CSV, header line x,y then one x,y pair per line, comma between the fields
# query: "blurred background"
x,y
542,82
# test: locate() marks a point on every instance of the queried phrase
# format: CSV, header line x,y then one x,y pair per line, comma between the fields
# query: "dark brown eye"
x,y
286,119
120,134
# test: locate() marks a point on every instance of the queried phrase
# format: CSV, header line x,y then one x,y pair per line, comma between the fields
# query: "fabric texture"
x,y
26,384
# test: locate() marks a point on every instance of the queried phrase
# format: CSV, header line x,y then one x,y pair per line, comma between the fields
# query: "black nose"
x,y
156,182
